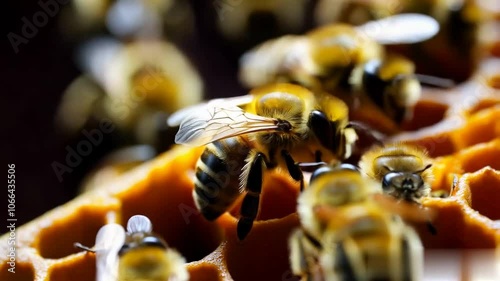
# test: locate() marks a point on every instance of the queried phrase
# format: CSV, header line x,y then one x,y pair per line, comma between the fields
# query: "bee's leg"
x,y
250,204
293,168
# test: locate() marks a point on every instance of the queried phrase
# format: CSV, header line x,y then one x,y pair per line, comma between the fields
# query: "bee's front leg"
x,y
250,205
293,168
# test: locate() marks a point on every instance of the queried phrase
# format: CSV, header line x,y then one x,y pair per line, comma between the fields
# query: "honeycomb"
x,y
459,127
460,130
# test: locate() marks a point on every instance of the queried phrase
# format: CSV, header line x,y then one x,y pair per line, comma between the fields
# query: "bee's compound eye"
x,y
320,171
392,180
320,125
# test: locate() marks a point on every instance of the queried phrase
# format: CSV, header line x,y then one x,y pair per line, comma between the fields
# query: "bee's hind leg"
x,y
250,205
293,168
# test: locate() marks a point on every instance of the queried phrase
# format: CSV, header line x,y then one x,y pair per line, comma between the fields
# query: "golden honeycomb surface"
x,y
460,128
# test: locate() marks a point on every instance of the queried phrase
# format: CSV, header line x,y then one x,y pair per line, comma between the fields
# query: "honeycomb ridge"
x,y
465,143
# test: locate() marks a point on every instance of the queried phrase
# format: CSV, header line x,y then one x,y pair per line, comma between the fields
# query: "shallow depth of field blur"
x,y
55,47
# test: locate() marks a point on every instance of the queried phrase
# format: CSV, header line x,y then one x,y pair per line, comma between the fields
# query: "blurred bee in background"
x,y
135,86
459,21
275,126
347,61
354,12
346,235
128,19
245,23
137,254
403,170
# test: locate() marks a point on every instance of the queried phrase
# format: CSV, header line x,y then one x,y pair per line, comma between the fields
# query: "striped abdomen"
x,y
217,181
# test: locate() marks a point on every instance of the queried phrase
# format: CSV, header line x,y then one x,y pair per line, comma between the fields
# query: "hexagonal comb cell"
x,y
83,263
484,186
64,232
21,272
466,135
479,156
165,197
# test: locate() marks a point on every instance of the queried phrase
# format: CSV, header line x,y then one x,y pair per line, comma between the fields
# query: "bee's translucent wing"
x,y
217,123
139,223
400,29
176,118
108,242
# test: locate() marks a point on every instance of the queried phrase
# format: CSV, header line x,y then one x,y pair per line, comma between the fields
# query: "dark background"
x,y
33,81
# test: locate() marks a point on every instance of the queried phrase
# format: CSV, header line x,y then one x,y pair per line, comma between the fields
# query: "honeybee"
x,y
134,86
137,254
459,20
403,170
345,235
340,57
275,126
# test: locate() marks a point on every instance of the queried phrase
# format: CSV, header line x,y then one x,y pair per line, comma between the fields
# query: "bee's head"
x,y
337,186
402,181
326,169
403,185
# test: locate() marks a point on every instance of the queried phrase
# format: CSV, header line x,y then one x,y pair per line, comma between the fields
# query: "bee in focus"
x,y
275,126
340,58
403,170
135,86
346,235
137,254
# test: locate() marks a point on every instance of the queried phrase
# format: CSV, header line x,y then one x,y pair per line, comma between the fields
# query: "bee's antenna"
x,y
435,81
83,247
425,168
